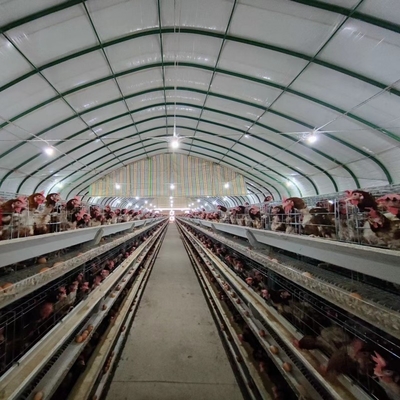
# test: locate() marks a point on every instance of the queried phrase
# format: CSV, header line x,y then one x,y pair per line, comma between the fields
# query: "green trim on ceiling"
x,y
202,131
162,60
266,83
40,14
162,151
347,12
215,68
256,105
223,113
147,140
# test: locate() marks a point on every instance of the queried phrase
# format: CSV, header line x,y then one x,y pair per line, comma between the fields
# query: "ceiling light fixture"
x,y
226,186
49,151
172,187
312,138
117,186
175,143
136,198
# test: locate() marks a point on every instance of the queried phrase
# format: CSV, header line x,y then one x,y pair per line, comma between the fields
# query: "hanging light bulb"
x,y
172,187
175,143
49,151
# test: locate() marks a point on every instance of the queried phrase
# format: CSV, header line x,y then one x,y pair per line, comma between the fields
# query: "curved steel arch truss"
x,y
224,35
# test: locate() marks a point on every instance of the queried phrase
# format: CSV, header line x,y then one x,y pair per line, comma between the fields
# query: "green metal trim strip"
x,y
270,84
213,34
217,124
346,11
162,60
211,94
287,88
208,109
146,140
40,14
201,154
215,68
109,66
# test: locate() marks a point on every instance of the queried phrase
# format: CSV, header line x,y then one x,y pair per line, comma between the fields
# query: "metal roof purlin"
x,y
109,66
205,132
267,83
162,63
302,70
248,120
210,94
214,34
216,64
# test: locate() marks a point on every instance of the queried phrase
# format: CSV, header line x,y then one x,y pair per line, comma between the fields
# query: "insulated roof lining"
x,y
104,90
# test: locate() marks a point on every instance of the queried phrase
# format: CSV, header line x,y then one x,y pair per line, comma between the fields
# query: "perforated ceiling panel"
x,y
301,97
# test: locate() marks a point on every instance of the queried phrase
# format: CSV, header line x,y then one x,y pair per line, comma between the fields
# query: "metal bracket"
x,y
97,237
132,228
254,242
217,232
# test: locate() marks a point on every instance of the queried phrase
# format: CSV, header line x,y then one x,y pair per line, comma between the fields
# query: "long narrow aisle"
x,y
173,350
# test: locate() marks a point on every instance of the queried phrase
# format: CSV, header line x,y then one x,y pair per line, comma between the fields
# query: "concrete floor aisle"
x,y
173,351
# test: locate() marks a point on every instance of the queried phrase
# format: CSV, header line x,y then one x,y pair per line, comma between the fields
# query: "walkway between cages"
x,y
173,351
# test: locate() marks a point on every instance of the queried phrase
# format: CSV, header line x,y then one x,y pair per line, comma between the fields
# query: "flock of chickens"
x,y
363,360
359,217
22,325
39,214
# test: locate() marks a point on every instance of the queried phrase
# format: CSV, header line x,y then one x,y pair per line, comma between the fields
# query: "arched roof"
x,y
248,80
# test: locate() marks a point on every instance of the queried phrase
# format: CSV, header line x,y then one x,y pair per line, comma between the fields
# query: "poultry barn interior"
x,y
199,199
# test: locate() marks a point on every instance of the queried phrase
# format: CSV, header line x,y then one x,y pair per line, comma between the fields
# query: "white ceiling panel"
x,y
134,53
93,96
205,14
188,77
333,87
78,71
244,89
285,24
132,16
260,63
220,130
226,120
65,130
382,110
186,96
140,81
11,11
58,35
12,63
242,110
145,100
45,117
295,31
104,113
370,50
387,10
115,124
24,96
196,49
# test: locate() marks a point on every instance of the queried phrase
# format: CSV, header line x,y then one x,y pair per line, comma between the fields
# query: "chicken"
x,y
386,230
314,221
329,340
278,218
361,199
390,203
388,378
12,220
